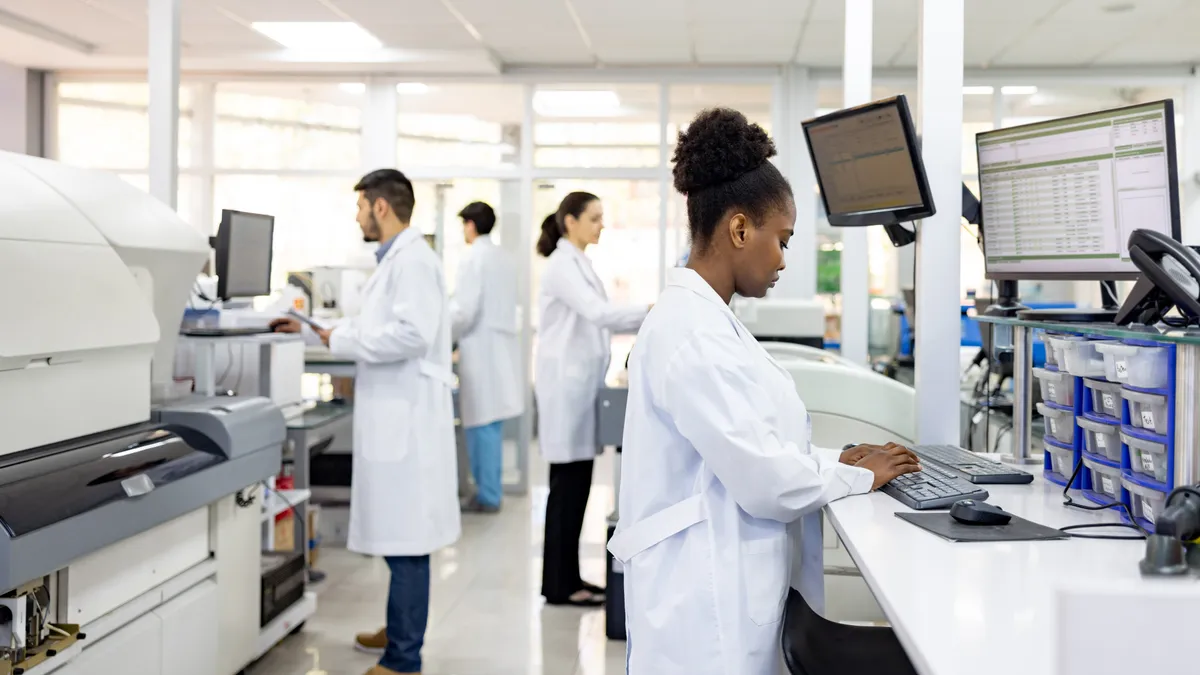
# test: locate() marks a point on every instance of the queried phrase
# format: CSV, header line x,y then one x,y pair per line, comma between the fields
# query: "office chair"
x,y
815,646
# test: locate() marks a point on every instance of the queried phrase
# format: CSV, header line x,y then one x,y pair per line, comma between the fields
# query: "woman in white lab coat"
x,y
717,456
573,350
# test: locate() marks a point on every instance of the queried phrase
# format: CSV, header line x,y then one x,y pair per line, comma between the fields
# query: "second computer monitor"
x,y
1060,198
868,165
243,245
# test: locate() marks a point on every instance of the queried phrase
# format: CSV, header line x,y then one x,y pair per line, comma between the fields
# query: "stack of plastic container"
x,y
1069,358
1145,372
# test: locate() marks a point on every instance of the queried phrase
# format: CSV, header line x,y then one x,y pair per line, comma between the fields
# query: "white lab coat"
x,y
573,351
484,312
717,463
404,487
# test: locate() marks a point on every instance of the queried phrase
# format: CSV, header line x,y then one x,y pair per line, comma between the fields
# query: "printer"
x,y
110,476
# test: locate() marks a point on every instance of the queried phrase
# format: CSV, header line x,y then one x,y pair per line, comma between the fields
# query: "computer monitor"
x,y
1060,198
868,165
243,245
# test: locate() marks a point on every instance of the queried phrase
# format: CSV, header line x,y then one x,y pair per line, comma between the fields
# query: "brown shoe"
x,y
372,643
380,670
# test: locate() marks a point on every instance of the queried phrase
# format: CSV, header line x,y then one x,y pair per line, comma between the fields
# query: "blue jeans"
x,y
485,446
407,613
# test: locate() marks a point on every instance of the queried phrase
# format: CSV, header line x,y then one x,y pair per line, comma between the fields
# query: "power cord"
x,y
246,498
1069,529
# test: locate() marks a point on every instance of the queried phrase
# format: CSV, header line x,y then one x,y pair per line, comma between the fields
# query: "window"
x,y
688,100
593,125
105,125
464,125
286,126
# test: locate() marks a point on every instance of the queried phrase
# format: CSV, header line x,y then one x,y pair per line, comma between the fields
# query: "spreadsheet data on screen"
x,y
864,162
1063,196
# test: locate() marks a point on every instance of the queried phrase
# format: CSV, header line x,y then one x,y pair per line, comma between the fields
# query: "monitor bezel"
x,y
1172,191
888,216
221,249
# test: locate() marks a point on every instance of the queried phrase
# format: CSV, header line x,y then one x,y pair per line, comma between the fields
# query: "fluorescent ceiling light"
x,y
412,88
1018,90
353,87
318,35
978,91
593,103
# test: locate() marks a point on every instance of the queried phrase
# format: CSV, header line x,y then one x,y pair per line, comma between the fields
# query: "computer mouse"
x,y
971,512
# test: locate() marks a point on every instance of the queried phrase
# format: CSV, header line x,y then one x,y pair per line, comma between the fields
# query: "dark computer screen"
x,y
243,246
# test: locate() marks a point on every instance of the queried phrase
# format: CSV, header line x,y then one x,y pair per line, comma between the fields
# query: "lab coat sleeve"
x,y
733,423
466,305
411,323
569,285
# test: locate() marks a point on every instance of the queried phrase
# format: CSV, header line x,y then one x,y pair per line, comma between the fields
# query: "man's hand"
x,y
324,334
286,325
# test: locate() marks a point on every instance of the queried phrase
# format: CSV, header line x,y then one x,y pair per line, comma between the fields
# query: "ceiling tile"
x,y
405,11
764,12
645,54
1047,45
631,11
422,36
280,10
513,13
822,44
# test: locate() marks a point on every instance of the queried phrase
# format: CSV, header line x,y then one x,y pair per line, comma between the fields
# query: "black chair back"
x,y
814,646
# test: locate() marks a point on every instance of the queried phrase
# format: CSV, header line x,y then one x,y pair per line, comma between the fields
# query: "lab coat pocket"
x,y
764,579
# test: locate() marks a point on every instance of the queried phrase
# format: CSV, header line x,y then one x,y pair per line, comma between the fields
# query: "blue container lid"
x,y
1050,440
1144,435
1101,460
1102,419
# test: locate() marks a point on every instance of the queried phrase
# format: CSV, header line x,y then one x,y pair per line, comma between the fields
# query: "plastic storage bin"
x,y
1051,357
1077,355
1137,366
1106,480
1147,411
1057,386
1106,397
1145,503
1062,460
1060,424
1147,457
1100,438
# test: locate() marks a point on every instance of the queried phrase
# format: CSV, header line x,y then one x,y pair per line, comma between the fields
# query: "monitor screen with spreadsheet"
x,y
1060,198
868,166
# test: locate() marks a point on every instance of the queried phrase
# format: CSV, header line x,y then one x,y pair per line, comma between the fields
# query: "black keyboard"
x,y
970,466
224,332
931,488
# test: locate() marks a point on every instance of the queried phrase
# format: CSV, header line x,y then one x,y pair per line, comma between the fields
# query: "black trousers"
x,y
570,486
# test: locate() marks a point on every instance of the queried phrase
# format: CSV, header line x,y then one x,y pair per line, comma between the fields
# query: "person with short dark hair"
x,y
484,318
718,460
573,351
404,487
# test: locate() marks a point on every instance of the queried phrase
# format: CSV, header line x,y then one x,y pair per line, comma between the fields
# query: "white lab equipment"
x,y
86,351
787,320
337,291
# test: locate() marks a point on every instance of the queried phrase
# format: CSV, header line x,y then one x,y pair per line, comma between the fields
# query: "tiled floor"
x,y
486,615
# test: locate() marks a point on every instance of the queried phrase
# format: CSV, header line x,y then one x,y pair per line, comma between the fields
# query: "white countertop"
x,y
979,608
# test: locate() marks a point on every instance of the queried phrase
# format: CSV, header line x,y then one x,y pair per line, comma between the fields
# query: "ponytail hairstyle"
x,y
555,224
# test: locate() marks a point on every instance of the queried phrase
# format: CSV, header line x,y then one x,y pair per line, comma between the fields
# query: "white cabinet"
x,y
189,632
136,649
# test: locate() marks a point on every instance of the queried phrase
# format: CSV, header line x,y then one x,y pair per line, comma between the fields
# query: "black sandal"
x,y
593,600
593,589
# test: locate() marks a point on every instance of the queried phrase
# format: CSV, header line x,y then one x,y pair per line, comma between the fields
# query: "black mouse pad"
x,y
1017,529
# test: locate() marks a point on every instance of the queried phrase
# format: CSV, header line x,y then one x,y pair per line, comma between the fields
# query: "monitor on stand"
x,y
1061,198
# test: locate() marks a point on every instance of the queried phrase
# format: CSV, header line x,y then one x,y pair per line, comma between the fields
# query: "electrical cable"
x,y
1069,529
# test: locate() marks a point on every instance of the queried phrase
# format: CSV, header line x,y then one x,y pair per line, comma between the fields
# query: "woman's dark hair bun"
x,y
719,146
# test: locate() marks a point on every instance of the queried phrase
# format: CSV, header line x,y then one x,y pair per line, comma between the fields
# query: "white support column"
x,y
204,122
163,78
938,328
856,81
379,125
14,109
796,101
665,186
525,285
1188,151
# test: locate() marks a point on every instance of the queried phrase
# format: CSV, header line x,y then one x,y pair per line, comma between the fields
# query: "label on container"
x,y
1101,441
1147,418
1147,462
1122,369
1106,485
1050,388
1053,425
1147,510
1110,402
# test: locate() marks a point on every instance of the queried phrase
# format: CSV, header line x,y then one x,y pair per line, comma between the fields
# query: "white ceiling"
x,y
491,35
